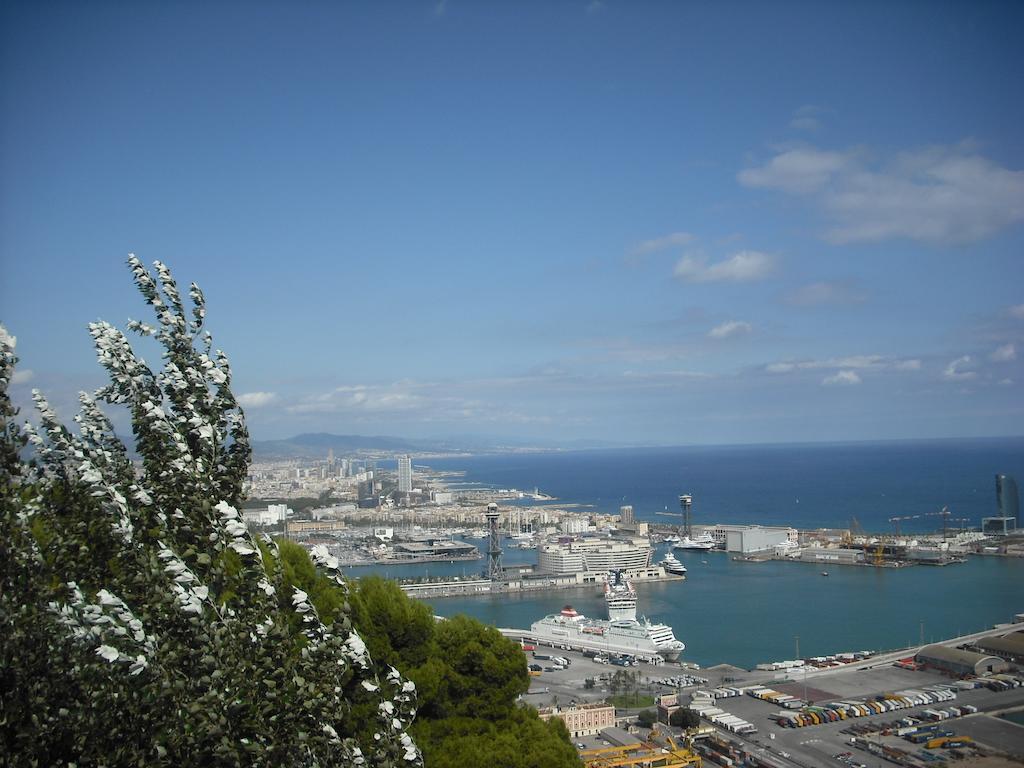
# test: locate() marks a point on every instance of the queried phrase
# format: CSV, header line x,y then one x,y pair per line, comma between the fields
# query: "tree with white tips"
x,y
140,622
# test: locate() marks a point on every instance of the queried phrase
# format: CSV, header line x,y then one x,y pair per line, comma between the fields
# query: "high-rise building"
x,y
1007,498
626,514
405,474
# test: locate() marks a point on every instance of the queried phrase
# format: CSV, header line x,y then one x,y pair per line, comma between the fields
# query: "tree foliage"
x,y
140,623
684,718
468,677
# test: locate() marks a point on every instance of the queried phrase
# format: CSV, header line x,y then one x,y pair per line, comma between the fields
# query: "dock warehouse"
x,y
748,539
1009,647
959,662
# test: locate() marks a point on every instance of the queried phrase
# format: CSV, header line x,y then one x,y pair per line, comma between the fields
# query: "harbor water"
x,y
746,613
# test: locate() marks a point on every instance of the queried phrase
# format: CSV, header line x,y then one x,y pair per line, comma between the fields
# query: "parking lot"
x,y
807,747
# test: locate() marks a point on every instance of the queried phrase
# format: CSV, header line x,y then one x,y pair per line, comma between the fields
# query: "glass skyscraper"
x,y
1007,498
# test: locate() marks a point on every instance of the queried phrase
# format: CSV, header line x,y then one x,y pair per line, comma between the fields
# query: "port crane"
x,y
944,512
896,521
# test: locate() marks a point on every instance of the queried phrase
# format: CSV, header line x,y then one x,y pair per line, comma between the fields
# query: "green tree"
x,y
140,623
647,717
518,740
468,676
684,718
398,631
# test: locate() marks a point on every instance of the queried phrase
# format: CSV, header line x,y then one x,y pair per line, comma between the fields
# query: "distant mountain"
x,y
317,444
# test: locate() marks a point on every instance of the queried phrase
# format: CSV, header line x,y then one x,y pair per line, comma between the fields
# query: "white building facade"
x,y
405,474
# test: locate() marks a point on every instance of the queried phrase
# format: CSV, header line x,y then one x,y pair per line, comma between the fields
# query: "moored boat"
x,y
704,541
672,565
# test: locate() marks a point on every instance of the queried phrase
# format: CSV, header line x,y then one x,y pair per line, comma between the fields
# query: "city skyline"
x,y
637,223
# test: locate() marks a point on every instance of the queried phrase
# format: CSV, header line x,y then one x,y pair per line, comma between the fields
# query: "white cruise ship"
x,y
620,597
625,636
704,541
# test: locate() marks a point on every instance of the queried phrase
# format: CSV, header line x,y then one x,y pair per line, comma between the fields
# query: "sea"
x,y
745,613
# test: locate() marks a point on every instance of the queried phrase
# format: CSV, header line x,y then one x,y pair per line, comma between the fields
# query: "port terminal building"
x,y
593,554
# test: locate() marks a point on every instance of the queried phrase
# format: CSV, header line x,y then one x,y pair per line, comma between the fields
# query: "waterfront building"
x,y
827,555
626,515
582,719
436,547
405,474
958,661
593,554
1009,646
1007,498
748,539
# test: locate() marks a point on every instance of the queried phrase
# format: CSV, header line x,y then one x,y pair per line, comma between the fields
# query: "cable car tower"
x,y
494,569
685,502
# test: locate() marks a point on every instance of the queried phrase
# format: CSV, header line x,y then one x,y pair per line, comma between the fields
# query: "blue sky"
x,y
636,222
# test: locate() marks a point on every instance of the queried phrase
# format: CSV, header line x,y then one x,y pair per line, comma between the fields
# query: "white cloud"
x,y
740,267
797,171
674,240
1017,310
22,377
842,378
730,328
1004,353
836,292
935,194
256,399
954,371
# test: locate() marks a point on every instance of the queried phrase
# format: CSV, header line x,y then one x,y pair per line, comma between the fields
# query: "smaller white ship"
x,y
704,541
620,597
672,539
672,565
